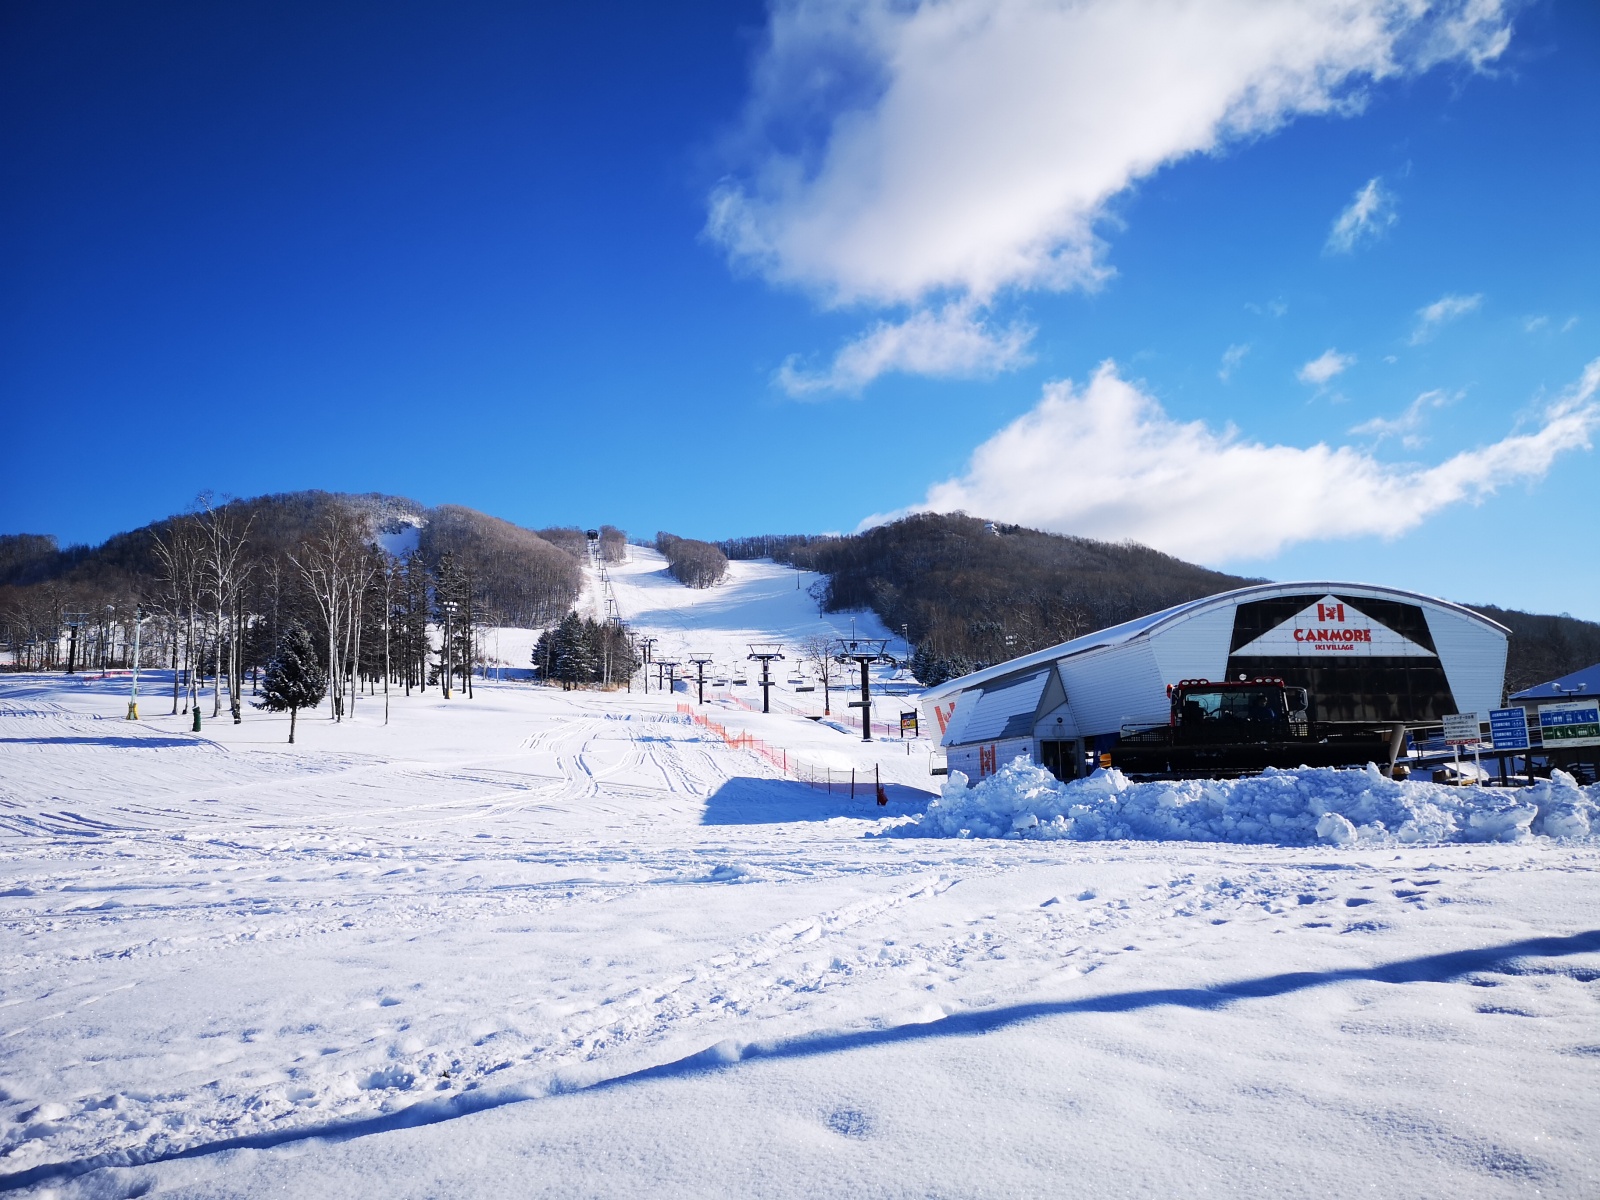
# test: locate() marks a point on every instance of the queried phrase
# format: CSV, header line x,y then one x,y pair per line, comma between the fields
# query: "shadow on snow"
x,y
135,743
1430,968
746,800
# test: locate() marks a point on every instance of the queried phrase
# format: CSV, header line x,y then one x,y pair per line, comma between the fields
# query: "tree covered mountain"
x,y
970,592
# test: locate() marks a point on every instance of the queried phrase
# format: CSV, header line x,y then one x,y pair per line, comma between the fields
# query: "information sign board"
x,y
908,724
1573,723
1508,728
1461,729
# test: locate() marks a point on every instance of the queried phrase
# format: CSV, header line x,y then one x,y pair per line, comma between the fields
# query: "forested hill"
x,y
519,576
972,592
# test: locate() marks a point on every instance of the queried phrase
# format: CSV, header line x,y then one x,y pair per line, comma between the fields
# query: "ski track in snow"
x,y
214,938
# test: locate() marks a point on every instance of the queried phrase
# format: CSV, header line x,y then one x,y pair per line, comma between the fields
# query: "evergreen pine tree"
x,y
294,678
574,652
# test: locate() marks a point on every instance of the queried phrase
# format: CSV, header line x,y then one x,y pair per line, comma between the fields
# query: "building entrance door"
x,y
1060,758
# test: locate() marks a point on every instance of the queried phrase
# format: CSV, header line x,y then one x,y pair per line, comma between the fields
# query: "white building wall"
x,y
1473,657
1107,689
978,760
1196,647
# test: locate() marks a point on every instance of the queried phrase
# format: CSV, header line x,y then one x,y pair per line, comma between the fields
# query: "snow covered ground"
x,y
570,944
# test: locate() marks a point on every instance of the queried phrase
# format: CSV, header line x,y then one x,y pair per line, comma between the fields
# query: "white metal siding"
x,y
968,759
1047,727
1474,659
1000,708
965,703
1107,688
1196,648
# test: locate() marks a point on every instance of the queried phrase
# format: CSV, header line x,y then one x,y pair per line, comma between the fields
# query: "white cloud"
x,y
1407,425
1369,214
1534,324
952,342
1231,358
1324,367
1442,311
911,152
1107,461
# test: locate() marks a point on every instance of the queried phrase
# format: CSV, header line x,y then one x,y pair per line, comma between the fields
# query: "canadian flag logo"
x,y
1329,626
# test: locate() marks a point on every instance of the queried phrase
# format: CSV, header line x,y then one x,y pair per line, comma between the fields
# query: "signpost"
x,y
1570,724
1462,729
1508,728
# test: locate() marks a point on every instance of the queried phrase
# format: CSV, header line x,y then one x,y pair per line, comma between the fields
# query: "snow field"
x,y
556,944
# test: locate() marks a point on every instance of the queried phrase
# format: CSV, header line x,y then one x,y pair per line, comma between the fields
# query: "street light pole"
x,y
133,698
449,607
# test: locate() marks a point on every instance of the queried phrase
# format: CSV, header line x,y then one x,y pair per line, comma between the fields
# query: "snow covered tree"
x,y
932,668
293,679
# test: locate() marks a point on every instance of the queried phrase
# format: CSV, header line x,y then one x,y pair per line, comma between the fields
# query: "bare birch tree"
x,y
226,569
179,549
328,563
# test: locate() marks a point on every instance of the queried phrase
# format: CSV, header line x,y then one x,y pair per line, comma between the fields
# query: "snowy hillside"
x,y
548,943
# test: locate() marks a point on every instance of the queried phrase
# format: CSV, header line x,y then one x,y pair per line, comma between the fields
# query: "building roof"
x,y
1569,687
1143,627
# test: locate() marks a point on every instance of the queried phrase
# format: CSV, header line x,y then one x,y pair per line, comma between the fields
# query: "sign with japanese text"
x,y
1573,723
1508,728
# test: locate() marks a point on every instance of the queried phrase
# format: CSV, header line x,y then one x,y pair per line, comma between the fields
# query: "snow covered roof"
x,y
1129,631
1577,685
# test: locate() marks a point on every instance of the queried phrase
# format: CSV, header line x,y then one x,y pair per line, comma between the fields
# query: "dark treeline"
x,y
693,564
613,544
780,547
527,579
970,592
1544,647
365,575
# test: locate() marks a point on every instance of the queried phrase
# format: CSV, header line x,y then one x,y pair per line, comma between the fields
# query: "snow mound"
x,y
1302,807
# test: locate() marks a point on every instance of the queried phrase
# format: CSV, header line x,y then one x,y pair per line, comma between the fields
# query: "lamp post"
x,y
449,607
133,697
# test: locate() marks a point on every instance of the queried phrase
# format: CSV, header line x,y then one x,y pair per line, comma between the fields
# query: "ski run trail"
x,y
539,943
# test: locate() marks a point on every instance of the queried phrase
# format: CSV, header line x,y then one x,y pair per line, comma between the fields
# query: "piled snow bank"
x,y
1302,807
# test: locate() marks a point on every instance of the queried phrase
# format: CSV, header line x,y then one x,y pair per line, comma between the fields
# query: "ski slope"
x,y
551,944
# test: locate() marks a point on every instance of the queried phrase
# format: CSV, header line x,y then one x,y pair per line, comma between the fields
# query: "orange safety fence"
x,y
883,727
803,772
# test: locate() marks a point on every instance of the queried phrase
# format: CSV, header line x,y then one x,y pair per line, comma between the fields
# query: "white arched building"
x,y
1371,658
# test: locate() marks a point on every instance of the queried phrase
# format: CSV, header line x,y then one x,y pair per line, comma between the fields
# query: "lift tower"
x,y
700,658
764,653
670,667
864,652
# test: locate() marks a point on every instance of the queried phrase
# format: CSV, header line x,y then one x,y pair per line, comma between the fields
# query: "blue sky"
x,y
727,269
